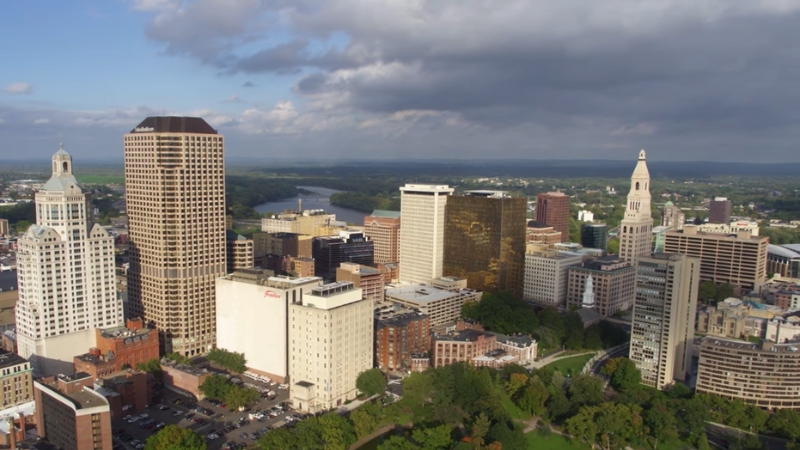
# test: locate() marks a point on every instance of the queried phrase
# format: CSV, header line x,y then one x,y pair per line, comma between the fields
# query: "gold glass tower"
x,y
175,193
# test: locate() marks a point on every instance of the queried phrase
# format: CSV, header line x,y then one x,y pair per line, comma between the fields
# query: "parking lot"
x,y
240,428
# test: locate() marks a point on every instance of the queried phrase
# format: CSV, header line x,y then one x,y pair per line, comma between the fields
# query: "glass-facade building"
x,y
594,235
484,241
330,251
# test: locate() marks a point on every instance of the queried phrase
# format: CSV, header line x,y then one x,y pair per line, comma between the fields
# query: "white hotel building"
x,y
252,318
66,276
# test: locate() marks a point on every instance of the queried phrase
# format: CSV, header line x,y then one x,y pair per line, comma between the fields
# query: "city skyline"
x,y
330,79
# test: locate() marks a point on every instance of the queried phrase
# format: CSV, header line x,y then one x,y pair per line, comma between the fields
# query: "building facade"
x,y
663,323
635,230
368,279
765,374
348,247
422,212
399,337
672,216
594,235
312,222
484,240
732,228
238,251
740,260
719,210
546,275
383,228
439,305
16,377
71,415
175,194
118,348
251,303
540,233
332,341
614,284
783,260
65,275
552,208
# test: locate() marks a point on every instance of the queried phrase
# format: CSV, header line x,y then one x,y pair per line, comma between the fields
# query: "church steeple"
x,y
588,294
62,162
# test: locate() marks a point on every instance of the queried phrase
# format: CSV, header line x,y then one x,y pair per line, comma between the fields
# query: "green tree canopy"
x,y
150,366
172,437
178,358
230,360
371,382
586,390
785,423
215,387
626,375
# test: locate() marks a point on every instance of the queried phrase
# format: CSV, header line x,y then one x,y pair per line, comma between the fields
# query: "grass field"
x,y
513,409
571,365
100,179
553,442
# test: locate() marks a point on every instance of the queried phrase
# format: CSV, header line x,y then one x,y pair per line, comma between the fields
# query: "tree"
x,y
230,360
172,437
613,246
626,375
707,291
397,443
278,438
660,423
702,442
215,387
586,390
724,291
515,382
610,425
436,438
785,423
364,420
533,398
150,366
371,382
418,388
240,397
178,358
337,433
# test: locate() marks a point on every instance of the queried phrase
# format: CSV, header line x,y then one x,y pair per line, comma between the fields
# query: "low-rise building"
x,y
540,233
734,318
481,348
439,305
312,222
183,379
765,374
71,415
783,330
127,392
119,348
368,279
17,380
614,284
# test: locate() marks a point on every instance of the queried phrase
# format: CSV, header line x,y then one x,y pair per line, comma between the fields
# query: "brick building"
x,y
552,208
460,346
118,348
17,380
127,391
614,284
383,227
183,379
71,415
368,279
398,337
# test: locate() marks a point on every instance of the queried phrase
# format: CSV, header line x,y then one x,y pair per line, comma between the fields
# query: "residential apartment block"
x,y
65,275
398,337
614,282
383,228
175,199
740,260
765,374
546,276
331,340
663,323
16,377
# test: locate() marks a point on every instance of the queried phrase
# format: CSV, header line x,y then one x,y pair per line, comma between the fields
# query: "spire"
x,y
588,294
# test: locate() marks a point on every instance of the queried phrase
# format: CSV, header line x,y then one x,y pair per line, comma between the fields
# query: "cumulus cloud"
x,y
18,88
41,121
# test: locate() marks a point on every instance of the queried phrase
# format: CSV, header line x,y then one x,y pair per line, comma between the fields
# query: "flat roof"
x,y
80,399
419,293
761,346
8,359
385,213
8,280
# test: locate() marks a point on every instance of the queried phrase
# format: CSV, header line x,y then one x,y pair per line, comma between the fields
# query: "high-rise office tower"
x,y
175,192
383,228
422,239
348,247
484,240
552,208
65,275
672,216
664,316
594,235
719,211
635,230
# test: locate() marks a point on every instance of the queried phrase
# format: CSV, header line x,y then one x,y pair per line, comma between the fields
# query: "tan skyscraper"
x,y
635,230
664,316
175,192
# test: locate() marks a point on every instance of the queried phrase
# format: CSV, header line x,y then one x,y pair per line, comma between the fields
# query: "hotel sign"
x,y
271,294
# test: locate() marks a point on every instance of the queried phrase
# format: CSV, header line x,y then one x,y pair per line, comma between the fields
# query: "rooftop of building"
x,y
385,213
605,264
693,230
191,370
761,346
400,319
82,399
462,336
122,332
517,340
231,235
535,224
26,409
172,124
588,315
8,281
120,377
428,188
8,359
486,193
552,194
359,269
418,293
266,277
556,255
784,250
332,289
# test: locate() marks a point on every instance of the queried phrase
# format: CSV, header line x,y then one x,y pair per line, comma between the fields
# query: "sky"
x,y
688,80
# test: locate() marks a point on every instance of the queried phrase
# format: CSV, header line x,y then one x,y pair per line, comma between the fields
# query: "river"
x,y
346,214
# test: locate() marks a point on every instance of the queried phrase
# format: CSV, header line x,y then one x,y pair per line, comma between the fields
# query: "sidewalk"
x,y
554,357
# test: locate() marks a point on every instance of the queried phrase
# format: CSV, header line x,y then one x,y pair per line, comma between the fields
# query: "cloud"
x,y
248,84
42,121
18,88
233,99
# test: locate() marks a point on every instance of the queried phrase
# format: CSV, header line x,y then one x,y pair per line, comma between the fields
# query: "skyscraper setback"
x,y
552,208
175,193
66,275
635,230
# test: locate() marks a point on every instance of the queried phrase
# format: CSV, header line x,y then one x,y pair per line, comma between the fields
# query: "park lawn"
x,y
571,365
513,410
553,442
